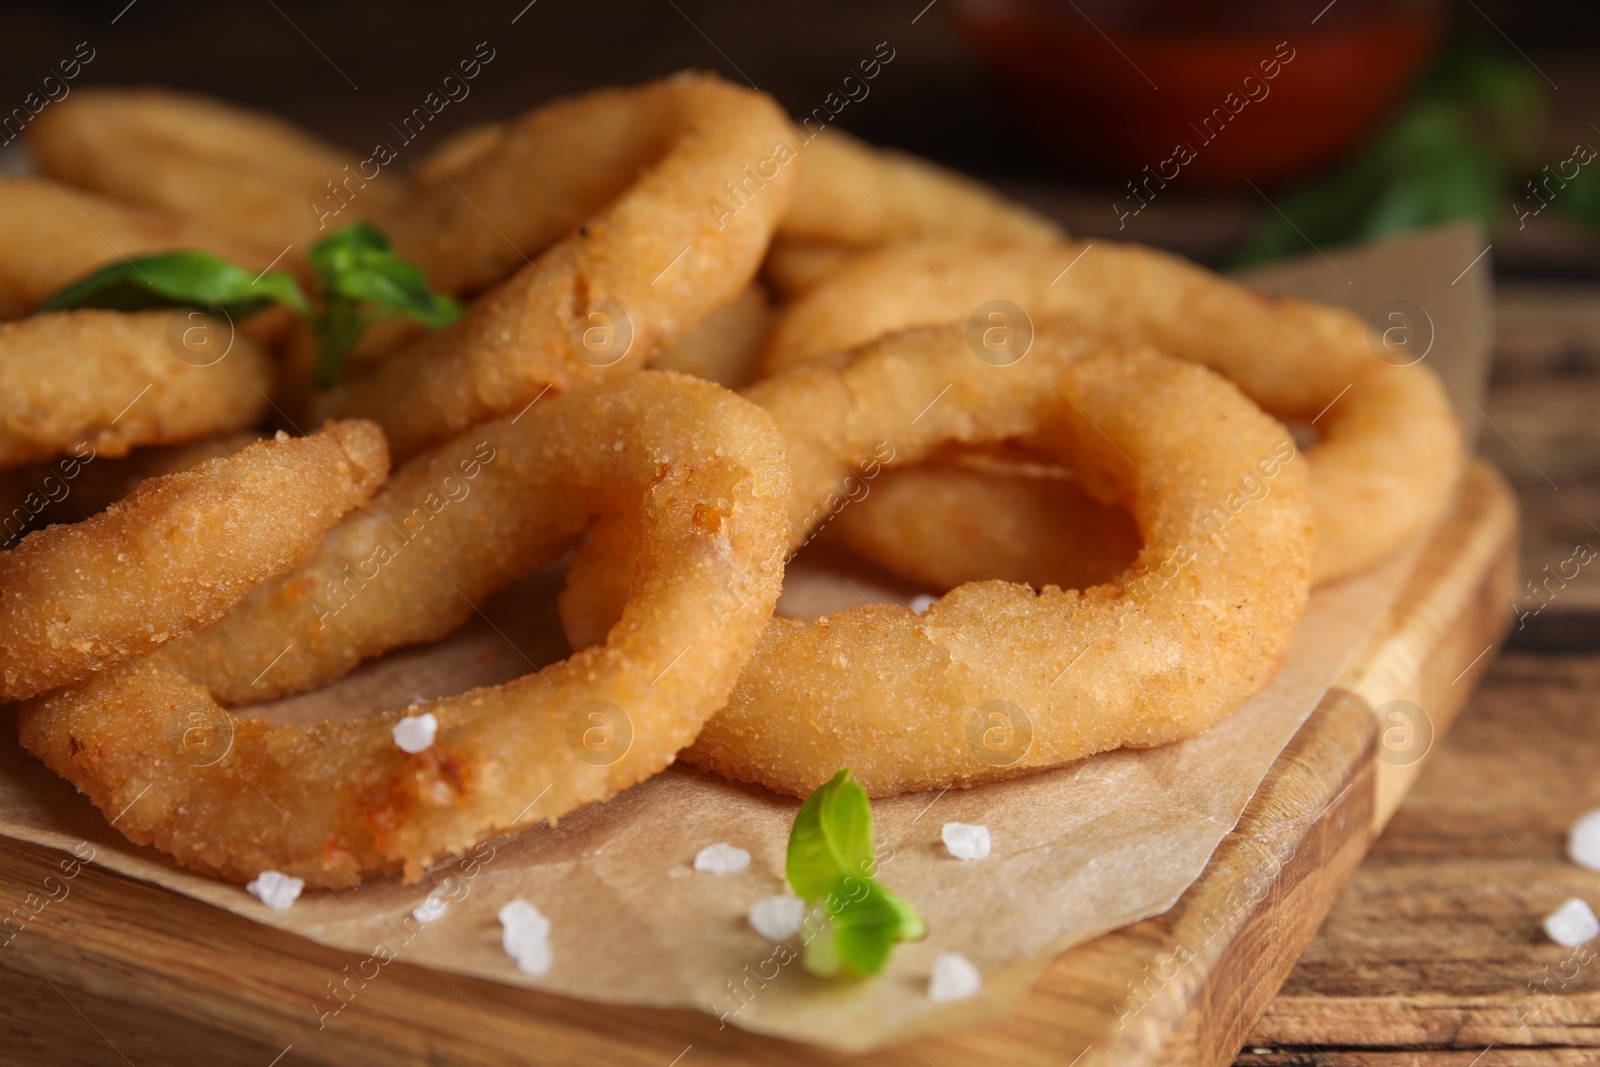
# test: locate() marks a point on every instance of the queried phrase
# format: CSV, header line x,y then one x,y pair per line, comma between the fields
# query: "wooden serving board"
x,y
121,972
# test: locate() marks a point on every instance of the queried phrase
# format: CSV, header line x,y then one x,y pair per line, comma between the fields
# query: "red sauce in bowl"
x,y
1217,92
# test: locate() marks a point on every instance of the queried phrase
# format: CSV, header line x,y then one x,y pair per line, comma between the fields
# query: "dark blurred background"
x,y
1064,102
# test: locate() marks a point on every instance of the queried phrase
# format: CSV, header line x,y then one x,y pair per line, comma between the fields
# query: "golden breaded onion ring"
x,y
794,268
241,172
854,195
175,554
997,679
605,299
337,802
72,488
726,347
977,516
52,237
853,198
117,381
494,195
1390,452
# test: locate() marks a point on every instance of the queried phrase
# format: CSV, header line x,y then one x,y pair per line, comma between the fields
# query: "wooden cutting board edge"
x,y
115,974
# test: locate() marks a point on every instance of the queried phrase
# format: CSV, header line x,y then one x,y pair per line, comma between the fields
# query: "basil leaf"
x,y
358,263
869,922
831,860
1452,153
360,281
831,837
179,279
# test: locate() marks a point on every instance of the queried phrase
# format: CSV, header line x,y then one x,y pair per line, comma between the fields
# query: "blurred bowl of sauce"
x,y
1221,92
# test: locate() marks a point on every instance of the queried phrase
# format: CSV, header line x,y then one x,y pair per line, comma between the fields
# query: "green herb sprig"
x,y
359,280
1454,152
832,863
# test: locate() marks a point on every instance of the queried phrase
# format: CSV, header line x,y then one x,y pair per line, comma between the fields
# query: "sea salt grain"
x,y
965,841
277,891
1583,842
415,733
430,909
525,935
1572,924
721,859
954,978
778,918
922,602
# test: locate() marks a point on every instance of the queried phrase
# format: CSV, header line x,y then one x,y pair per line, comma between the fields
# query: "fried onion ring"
x,y
973,517
175,554
1200,622
51,237
338,802
607,298
470,221
794,268
858,196
726,347
127,385
75,487
1390,452
238,171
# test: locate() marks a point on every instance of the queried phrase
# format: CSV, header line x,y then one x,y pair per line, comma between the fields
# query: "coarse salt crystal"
x,y
778,918
922,602
1583,842
1572,924
525,936
415,733
276,890
721,859
954,978
966,841
430,909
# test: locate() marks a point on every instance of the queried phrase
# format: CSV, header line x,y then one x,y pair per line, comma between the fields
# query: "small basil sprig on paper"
x,y
359,281
831,862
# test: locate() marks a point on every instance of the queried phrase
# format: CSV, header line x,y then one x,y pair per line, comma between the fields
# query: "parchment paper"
x,y
1077,852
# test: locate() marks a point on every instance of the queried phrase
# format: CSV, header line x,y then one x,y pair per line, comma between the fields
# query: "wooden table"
x,y
1426,956
1429,950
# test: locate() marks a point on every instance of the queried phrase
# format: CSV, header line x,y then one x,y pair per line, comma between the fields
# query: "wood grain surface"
x,y
1541,434
120,972
1431,947
1437,939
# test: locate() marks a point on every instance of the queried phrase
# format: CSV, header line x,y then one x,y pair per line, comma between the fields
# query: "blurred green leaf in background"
x,y
1461,149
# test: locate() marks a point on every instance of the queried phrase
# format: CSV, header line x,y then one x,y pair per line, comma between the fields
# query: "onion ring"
x,y
238,171
726,347
852,197
153,377
973,517
1390,452
580,154
794,268
75,487
52,237
175,554
607,298
337,802
1200,622
858,196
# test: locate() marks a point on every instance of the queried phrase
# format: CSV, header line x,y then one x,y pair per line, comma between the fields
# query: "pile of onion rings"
x,y
1120,528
